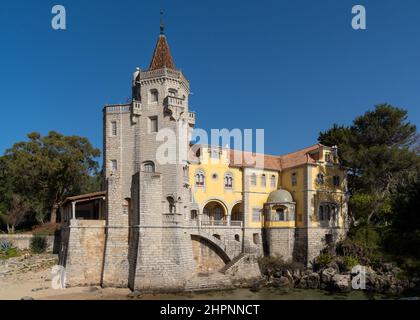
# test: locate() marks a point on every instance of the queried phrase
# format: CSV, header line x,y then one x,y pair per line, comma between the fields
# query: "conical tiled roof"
x,y
162,57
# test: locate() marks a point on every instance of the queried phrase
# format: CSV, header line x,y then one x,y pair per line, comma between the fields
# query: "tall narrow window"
x,y
320,178
263,181
228,180
154,96
153,124
114,128
114,165
253,179
294,179
199,179
256,215
273,181
336,181
280,216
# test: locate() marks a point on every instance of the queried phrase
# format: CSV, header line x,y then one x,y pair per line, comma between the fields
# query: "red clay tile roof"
x,y
162,57
271,162
286,161
300,157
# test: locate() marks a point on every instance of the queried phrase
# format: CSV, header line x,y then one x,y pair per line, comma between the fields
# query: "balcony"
x,y
171,101
221,223
137,108
191,118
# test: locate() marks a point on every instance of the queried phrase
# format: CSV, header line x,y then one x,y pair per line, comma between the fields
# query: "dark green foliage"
x,y
381,153
38,244
42,172
323,260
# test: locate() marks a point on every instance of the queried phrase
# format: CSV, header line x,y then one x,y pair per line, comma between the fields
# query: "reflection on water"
x,y
265,294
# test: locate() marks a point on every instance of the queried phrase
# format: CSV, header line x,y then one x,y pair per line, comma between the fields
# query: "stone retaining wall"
x,y
23,241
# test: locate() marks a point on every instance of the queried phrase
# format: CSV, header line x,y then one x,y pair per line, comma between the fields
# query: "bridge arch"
x,y
209,253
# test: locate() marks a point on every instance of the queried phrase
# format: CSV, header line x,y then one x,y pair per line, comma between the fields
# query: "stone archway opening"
x,y
237,216
214,213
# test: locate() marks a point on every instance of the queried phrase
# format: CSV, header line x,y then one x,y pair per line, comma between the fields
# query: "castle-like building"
x,y
159,224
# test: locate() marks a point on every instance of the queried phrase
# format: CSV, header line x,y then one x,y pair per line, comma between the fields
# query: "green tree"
x,y
378,150
46,170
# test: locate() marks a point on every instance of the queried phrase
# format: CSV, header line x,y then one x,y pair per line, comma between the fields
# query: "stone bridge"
x,y
225,242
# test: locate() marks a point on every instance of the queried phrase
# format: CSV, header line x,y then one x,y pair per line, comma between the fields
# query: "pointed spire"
x,y
162,57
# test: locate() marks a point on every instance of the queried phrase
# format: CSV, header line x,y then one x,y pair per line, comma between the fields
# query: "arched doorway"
x,y
237,217
214,213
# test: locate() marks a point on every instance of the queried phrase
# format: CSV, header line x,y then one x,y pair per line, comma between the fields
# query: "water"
x,y
266,294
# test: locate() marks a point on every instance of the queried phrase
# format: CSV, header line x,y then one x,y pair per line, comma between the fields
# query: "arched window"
x,y
148,166
336,181
253,179
171,204
237,237
194,215
294,178
279,216
185,172
263,180
320,178
153,96
228,180
173,92
273,181
218,214
199,179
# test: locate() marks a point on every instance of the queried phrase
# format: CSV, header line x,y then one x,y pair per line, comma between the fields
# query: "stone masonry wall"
x,y
85,250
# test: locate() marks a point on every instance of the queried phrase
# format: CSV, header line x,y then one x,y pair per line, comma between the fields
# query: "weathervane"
x,y
162,26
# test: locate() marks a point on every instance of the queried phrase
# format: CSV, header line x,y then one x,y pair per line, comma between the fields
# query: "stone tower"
x,y
146,173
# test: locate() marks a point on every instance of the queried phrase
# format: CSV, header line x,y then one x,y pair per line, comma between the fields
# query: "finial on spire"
x,y
162,26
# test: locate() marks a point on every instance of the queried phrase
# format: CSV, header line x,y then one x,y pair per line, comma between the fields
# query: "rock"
x,y
134,294
27,298
39,289
341,282
256,285
333,265
327,275
93,289
280,282
388,266
311,281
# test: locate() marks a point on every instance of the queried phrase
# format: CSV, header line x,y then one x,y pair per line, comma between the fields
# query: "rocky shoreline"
x,y
388,280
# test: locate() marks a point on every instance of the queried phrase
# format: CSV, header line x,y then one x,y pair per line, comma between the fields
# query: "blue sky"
x,y
290,67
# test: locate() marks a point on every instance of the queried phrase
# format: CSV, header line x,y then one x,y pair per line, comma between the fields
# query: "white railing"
x,y
236,223
220,223
117,109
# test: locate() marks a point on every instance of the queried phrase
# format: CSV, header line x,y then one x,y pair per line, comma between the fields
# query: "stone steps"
x,y
215,281
232,263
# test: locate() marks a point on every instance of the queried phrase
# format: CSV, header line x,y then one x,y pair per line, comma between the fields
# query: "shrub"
x,y
350,262
38,244
5,245
323,260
